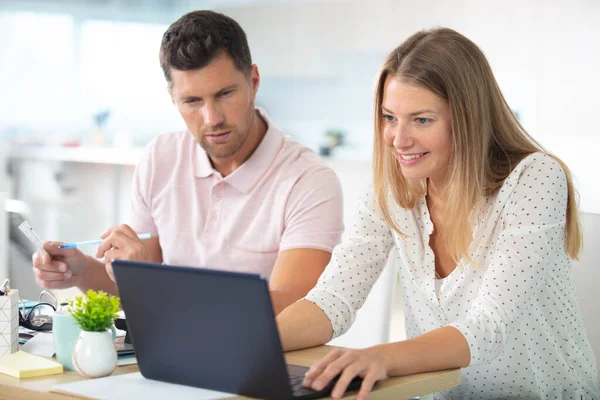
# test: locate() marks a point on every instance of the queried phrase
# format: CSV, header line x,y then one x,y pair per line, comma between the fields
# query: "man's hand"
x,y
122,243
59,268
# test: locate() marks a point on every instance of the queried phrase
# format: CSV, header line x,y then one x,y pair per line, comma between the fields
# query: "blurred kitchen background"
x,y
82,93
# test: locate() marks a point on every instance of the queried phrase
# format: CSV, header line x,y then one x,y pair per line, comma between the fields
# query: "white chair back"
x,y
586,272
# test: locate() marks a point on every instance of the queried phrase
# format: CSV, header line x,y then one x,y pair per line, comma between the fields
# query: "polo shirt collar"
x,y
249,173
204,168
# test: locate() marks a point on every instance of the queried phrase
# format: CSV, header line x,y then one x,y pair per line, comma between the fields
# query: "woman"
x,y
484,221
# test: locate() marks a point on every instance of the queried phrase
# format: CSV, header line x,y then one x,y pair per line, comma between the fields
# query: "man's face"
x,y
217,104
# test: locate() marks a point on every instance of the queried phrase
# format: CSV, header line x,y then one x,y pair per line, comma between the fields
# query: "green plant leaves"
x,y
95,312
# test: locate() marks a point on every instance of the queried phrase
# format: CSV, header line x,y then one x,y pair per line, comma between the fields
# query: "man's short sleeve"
x,y
314,212
141,200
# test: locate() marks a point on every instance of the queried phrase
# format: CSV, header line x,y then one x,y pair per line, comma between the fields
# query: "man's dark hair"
x,y
195,39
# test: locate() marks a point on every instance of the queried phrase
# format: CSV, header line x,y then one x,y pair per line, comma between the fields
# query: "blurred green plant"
x,y
94,312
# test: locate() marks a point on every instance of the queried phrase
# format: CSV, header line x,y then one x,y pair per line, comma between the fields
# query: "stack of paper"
x,y
25,365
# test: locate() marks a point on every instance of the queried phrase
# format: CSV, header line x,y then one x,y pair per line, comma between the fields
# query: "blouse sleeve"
x,y
528,248
354,267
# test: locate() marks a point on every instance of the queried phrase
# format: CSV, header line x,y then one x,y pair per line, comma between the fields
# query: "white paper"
x,y
41,344
127,361
121,387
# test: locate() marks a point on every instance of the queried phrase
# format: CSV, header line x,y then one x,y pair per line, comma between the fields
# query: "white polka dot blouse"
x,y
517,309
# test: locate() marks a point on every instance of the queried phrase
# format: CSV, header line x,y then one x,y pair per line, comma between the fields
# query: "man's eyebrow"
x,y
224,89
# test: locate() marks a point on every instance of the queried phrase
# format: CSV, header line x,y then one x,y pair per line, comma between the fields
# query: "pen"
x,y
141,236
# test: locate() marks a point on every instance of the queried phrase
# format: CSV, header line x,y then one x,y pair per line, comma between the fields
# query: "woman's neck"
x,y
435,194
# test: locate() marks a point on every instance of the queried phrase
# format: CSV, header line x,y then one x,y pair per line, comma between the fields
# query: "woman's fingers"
x,y
368,382
350,372
318,367
348,364
335,368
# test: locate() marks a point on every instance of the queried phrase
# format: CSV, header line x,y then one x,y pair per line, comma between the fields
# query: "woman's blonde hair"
x,y
487,139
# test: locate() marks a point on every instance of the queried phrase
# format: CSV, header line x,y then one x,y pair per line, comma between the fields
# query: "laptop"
x,y
209,329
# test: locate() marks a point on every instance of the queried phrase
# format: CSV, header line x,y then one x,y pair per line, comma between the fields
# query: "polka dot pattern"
x,y
517,308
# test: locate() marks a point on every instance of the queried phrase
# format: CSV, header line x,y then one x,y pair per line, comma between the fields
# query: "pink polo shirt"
x,y
283,197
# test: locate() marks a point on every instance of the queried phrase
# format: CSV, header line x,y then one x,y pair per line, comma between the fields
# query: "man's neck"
x,y
258,129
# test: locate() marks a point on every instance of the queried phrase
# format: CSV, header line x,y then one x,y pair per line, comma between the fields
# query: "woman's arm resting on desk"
x,y
440,349
304,324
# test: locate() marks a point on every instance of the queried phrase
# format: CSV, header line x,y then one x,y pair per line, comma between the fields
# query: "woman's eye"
x,y
388,118
422,120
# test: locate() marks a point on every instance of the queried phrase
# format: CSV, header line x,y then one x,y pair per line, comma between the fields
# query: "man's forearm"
x,y
281,299
303,324
96,278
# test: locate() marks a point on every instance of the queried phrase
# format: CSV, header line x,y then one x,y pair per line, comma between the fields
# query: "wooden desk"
x,y
393,388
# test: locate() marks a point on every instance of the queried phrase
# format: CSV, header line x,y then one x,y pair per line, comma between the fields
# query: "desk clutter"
x,y
28,351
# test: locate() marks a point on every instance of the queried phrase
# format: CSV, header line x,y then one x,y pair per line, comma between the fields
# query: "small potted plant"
x,y
94,354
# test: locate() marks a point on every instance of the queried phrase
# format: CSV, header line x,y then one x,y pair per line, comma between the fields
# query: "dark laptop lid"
x,y
203,328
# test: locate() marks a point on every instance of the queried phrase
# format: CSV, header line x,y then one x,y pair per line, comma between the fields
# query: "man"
x,y
232,193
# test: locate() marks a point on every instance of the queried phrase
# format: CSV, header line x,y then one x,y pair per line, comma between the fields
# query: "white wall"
x,y
325,54
317,59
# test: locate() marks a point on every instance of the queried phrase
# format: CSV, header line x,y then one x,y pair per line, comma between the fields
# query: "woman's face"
x,y
417,127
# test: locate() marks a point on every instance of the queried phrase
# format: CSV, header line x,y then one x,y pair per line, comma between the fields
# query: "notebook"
x,y
25,365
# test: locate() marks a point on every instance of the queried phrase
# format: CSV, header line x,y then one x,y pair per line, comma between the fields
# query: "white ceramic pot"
x,y
94,354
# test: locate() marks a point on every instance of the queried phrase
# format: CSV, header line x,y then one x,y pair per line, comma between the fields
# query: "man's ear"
x,y
170,90
254,78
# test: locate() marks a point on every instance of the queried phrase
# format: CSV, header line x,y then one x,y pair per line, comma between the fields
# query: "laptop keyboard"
x,y
298,389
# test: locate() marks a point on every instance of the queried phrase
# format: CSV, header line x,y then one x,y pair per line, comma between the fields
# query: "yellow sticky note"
x,y
25,365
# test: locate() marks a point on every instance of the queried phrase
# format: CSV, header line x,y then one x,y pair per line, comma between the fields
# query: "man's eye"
x,y
190,101
226,93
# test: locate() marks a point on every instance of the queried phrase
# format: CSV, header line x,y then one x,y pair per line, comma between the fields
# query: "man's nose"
x,y
213,114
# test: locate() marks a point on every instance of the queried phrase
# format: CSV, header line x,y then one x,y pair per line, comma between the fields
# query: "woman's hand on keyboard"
x,y
348,363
